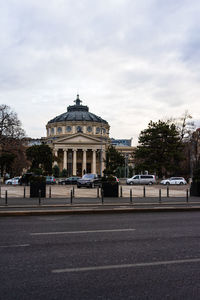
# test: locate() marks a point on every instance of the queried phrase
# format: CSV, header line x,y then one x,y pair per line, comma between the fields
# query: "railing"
x,y
69,195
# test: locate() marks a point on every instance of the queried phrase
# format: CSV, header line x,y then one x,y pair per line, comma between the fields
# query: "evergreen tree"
x,y
41,157
64,173
56,171
114,159
160,149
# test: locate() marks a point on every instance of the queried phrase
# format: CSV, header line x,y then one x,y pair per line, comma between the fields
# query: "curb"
x,y
97,211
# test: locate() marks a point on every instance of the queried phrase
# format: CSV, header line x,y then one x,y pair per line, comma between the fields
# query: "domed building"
x,y
79,139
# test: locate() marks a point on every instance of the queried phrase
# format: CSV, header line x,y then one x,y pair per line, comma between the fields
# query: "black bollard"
x,y
73,191
39,192
50,192
24,192
160,196
144,192
0,192
120,191
71,196
97,191
131,198
102,200
167,191
6,197
187,196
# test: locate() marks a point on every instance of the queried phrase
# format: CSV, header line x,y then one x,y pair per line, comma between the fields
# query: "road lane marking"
x,y
82,232
15,246
124,266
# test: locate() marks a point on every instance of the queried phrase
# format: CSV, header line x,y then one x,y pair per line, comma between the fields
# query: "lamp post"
x,y
126,165
101,153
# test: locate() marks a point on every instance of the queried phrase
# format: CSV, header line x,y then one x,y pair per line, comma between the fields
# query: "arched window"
x,y
98,129
68,128
59,130
89,128
79,129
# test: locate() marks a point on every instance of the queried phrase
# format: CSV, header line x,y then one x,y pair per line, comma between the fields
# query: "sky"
x,y
131,61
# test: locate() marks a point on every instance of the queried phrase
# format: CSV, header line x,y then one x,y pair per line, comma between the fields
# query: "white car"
x,y
13,181
174,180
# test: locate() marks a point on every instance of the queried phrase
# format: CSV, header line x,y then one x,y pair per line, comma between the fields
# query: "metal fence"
x,y
70,195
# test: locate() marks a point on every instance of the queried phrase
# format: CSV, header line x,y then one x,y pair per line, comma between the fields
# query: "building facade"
x,y
79,140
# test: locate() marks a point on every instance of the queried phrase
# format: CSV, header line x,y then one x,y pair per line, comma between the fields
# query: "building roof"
x,y
77,112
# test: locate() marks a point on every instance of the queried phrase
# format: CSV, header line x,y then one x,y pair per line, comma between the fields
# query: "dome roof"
x,y
77,112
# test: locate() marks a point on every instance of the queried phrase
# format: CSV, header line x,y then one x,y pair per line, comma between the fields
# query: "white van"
x,y
141,179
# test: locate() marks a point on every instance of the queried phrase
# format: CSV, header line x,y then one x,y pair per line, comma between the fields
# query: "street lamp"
x,y
126,165
101,152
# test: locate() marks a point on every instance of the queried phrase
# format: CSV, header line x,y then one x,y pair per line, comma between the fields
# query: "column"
x,y
94,161
103,160
84,161
56,155
74,162
65,159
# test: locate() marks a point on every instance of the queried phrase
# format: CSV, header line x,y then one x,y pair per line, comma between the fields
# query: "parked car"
x,y
13,181
174,180
69,180
89,180
50,180
25,179
141,179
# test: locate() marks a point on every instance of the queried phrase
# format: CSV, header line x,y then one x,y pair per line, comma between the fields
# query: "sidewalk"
x,y
30,206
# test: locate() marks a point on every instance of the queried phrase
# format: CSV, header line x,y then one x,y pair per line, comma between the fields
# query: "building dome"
x,y
77,112
77,119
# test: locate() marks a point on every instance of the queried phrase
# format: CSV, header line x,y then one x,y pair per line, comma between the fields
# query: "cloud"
x,y
131,61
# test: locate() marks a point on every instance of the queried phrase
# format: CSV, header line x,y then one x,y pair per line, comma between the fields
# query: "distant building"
x,y
121,142
32,142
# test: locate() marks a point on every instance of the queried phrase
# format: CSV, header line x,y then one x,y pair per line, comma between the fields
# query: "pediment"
x,y
77,139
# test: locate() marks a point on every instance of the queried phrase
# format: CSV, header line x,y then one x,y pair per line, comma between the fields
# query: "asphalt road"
x,y
123,256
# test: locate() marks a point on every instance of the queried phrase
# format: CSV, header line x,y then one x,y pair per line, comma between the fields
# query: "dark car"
x,y
25,179
89,180
50,180
70,180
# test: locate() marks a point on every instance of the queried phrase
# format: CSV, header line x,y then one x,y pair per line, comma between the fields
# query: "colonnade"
x,y
83,161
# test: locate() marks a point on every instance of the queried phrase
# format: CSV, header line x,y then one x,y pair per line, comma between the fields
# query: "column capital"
x,y
74,149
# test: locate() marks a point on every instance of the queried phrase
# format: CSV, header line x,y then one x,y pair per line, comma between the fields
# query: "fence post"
x,y
6,197
144,192
71,196
97,191
24,192
187,196
160,196
120,191
39,192
131,198
167,191
102,200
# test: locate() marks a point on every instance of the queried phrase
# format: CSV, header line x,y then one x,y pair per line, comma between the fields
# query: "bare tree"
x,y
12,150
10,125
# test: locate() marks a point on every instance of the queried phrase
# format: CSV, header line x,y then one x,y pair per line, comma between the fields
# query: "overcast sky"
x,y
131,61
